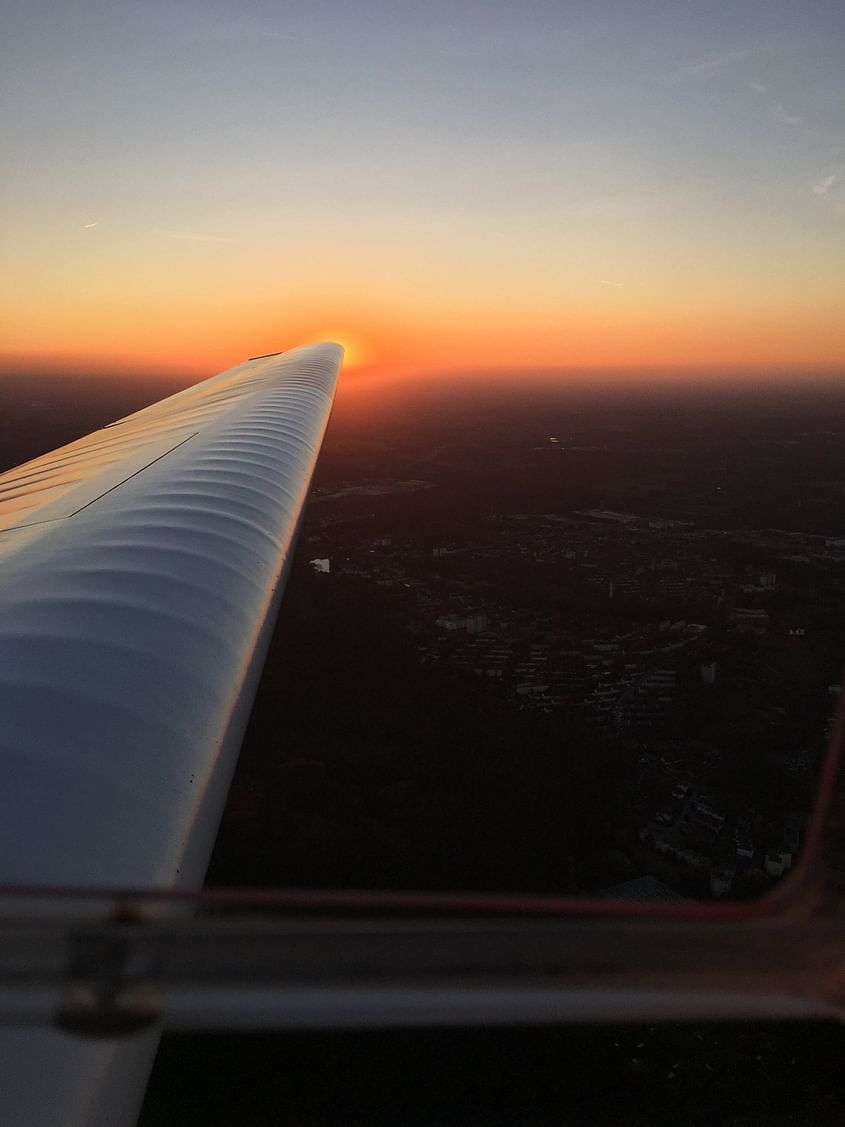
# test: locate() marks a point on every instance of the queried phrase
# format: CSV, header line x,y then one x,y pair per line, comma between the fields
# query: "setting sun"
x,y
358,351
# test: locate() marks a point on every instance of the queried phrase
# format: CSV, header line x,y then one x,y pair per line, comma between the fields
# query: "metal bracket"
x,y
110,987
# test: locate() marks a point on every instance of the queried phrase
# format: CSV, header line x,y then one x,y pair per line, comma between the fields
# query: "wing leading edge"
x,y
141,572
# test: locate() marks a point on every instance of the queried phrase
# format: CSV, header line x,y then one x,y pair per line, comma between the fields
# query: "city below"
x,y
559,641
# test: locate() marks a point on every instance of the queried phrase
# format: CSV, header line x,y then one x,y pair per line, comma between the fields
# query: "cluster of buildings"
x,y
624,623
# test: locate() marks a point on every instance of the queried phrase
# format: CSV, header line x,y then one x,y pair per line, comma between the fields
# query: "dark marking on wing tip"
x,y
265,356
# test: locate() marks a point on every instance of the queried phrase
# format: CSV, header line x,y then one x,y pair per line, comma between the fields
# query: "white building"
x,y
451,622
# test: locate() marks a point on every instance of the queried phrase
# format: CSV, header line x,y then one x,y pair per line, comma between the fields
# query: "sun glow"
x,y
358,351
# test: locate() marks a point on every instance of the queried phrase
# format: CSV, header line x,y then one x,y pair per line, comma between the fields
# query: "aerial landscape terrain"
x,y
545,637
539,635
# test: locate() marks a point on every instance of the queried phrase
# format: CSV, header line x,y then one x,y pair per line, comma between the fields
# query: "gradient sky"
x,y
435,184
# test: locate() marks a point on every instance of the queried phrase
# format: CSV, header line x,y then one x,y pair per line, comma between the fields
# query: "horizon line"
x,y
49,364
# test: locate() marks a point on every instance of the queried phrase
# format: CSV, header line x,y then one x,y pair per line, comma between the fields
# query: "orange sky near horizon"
x,y
114,304
198,342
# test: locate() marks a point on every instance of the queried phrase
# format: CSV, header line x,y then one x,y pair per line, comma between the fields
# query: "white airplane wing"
x,y
141,572
141,569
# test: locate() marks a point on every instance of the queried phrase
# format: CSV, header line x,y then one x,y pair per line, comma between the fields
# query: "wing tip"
x,y
315,344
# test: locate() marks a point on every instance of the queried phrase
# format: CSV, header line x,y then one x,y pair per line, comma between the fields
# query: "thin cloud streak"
x,y
823,185
782,114
714,64
246,29
520,41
